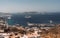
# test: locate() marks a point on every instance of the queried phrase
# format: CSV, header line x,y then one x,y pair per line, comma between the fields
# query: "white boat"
x,y
30,24
51,21
27,16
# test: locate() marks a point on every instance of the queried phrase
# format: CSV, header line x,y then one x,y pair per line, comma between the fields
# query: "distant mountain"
x,y
4,14
27,13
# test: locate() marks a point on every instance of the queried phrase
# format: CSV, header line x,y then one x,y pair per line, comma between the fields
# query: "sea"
x,y
45,18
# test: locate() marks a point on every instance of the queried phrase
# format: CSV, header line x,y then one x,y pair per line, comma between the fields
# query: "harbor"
x,y
32,30
29,18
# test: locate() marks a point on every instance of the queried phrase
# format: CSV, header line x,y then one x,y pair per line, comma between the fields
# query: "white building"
x,y
4,35
24,36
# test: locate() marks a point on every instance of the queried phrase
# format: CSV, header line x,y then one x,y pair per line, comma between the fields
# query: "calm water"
x,y
35,18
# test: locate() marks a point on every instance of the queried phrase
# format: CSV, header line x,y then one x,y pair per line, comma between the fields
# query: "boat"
x,y
27,16
30,24
51,21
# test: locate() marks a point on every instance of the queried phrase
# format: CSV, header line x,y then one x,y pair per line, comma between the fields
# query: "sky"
x,y
29,5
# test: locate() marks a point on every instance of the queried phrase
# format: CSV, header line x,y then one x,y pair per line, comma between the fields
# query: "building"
x,y
4,35
3,24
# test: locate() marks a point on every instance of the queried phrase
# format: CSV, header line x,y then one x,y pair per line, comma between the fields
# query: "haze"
x,y
29,5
